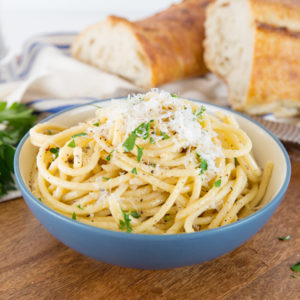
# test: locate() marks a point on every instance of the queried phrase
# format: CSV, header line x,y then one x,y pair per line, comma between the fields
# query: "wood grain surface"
x,y
34,265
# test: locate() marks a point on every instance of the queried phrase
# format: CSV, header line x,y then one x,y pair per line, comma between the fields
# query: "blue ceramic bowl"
x,y
157,251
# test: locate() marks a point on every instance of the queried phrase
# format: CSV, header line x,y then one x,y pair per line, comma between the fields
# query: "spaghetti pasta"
x,y
153,163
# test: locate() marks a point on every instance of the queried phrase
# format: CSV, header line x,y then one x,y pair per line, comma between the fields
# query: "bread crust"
x,y
170,41
274,84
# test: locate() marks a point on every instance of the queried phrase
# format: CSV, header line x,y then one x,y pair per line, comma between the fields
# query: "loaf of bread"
x,y
254,46
156,50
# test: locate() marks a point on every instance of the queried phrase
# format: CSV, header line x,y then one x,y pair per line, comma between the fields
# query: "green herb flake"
x,y
235,161
203,165
126,223
128,145
198,113
78,134
294,275
134,171
284,238
143,130
164,135
152,141
140,153
74,215
106,178
54,151
296,267
99,107
49,132
80,207
218,183
167,218
108,157
72,144
135,214
40,199
174,95
96,124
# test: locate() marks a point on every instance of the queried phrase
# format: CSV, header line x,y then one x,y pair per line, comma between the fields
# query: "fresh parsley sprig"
x,y
15,121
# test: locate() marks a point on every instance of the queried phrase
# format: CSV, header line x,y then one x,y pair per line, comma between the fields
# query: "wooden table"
x,y
34,265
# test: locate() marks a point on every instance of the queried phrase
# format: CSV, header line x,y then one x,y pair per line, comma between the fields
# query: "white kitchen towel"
x,y
48,80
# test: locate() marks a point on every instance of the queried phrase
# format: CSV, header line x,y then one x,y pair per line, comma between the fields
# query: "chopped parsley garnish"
x,y
54,151
296,267
49,131
152,141
284,238
294,275
167,217
174,95
72,144
108,157
135,214
140,153
203,163
99,107
126,223
134,171
78,134
218,183
143,130
74,215
128,145
106,178
198,113
235,161
164,135
40,199
96,124
80,207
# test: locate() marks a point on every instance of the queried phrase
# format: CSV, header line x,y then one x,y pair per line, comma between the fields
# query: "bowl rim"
x,y
153,237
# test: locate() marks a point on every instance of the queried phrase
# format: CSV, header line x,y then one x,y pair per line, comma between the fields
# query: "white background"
x,y
21,19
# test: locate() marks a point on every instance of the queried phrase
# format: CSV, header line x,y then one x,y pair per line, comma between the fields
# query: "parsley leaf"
x,y
128,145
152,140
218,183
140,153
198,113
108,157
143,130
134,171
15,121
174,95
296,267
164,135
54,151
80,207
72,144
74,215
135,214
96,124
106,178
203,163
284,238
126,223
78,134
